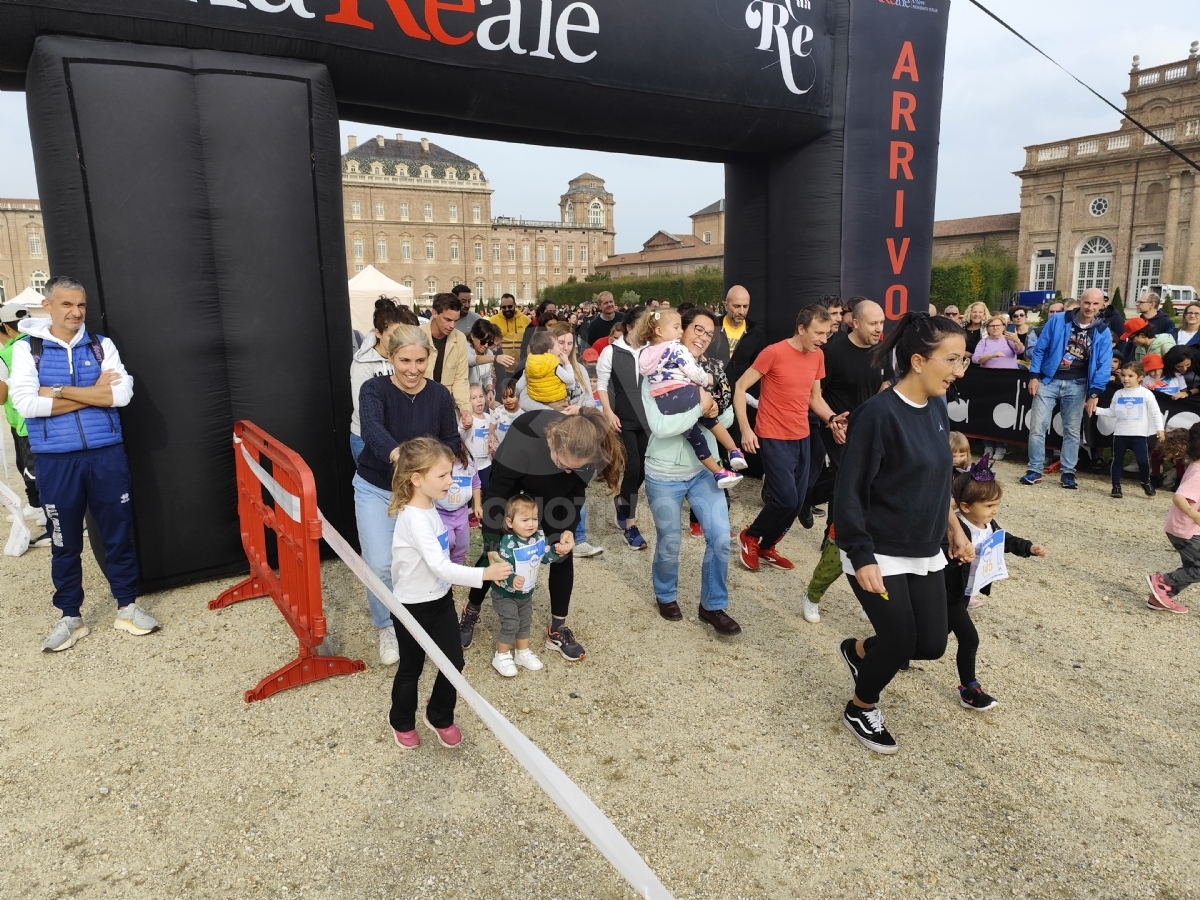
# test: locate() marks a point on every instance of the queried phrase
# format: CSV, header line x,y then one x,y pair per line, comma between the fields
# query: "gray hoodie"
x,y
367,364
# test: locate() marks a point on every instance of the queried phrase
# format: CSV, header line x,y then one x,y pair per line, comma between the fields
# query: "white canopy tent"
x,y
29,298
365,288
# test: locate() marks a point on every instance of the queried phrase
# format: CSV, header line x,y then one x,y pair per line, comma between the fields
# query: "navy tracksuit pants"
x,y
70,484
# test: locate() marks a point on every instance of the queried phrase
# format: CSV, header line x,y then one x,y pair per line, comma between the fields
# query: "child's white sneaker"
x,y
503,663
527,659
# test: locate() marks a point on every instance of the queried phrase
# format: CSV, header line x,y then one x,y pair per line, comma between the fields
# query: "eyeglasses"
x,y
703,332
954,362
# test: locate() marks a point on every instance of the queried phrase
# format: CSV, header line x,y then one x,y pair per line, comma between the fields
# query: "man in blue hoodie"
x,y
68,385
1069,366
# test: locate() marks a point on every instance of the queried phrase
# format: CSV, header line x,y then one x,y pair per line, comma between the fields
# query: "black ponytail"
x,y
916,333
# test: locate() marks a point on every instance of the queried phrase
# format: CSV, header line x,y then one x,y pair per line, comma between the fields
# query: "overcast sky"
x,y
999,97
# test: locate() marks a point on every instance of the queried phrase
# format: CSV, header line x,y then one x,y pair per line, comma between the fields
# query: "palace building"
x,y
24,260
422,215
1118,210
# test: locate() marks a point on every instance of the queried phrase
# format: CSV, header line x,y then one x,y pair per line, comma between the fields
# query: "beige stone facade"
x,y
24,260
422,215
666,254
1118,210
709,223
956,238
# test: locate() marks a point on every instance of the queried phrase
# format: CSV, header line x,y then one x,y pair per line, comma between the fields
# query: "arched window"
x,y
38,280
570,212
376,168
1093,267
352,167
596,214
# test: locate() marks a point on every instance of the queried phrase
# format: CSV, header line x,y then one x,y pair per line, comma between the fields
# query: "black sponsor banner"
x,y
893,119
774,55
994,405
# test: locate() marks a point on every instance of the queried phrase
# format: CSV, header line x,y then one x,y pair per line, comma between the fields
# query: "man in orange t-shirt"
x,y
790,373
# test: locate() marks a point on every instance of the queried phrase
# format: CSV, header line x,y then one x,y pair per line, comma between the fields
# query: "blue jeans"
x,y
375,528
581,528
356,446
1070,395
708,503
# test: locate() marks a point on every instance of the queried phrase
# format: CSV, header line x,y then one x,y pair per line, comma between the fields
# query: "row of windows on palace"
x,y
525,293
1093,267
595,212
358,249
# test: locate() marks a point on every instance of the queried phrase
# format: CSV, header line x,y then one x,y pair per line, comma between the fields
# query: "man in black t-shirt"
x,y
604,321
851,379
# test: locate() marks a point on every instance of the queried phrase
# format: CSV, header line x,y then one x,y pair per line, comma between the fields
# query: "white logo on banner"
x,y
774,19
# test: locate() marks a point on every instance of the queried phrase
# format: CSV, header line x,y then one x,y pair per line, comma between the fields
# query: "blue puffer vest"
x,y
87,429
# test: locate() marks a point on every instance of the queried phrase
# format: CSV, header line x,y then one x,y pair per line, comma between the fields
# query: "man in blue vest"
x,y
67,384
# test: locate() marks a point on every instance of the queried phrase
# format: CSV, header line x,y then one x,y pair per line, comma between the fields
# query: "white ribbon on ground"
x,y
18,537
595,826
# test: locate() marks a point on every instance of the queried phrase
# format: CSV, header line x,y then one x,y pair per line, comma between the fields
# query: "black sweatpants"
x,y
27,466
560,582
785,478
438,618
960,625
636,442
910,624
1139,445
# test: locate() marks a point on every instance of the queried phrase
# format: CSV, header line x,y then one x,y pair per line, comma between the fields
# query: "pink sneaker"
x,y
447,737
726,479
1160,595
407,740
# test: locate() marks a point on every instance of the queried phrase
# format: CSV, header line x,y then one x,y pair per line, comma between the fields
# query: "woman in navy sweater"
x,y
391,410
892,513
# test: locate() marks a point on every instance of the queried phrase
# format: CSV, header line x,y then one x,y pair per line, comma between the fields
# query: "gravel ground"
x,y
131,766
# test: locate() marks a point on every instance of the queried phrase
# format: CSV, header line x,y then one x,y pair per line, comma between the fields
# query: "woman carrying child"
x,y
548,375
976,495
422,575
676,384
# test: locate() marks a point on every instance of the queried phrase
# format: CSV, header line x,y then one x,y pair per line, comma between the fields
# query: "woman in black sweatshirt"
x,y
892,513
551,457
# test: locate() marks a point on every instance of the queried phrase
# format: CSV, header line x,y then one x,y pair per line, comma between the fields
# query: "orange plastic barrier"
x,y
291,513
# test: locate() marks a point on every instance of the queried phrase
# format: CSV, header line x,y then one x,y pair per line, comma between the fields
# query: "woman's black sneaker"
x,y
973,697
1116,492
466,625
867,726
1148,488
850,658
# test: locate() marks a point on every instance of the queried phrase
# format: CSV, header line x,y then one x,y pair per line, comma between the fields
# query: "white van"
x,y
1179,294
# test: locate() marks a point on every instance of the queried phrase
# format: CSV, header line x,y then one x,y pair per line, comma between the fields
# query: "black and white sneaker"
x,y
466,625
867,726
973,697
850,658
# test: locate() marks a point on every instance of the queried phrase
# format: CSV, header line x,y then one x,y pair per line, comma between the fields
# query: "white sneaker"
x,y
812,611
527,659
583,550
30,512
503,663
135,620
389,647
1000,451
67,632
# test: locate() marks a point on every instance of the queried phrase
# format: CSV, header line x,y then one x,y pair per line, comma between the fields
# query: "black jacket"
x,y
719,348
1161,323
958,573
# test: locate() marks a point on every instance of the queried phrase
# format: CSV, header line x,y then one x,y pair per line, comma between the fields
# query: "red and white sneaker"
x,y
697,531
749,550
1160,595
448,737
775,558
407,740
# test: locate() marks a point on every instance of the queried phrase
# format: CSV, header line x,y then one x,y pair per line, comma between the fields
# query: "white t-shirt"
x,y
503,420
421,567
1134,411
901,565
476,439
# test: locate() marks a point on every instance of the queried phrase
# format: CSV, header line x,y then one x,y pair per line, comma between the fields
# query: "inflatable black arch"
x,y
188,161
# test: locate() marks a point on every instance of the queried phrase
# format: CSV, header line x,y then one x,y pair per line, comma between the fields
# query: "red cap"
x,y
1151,361
1133,325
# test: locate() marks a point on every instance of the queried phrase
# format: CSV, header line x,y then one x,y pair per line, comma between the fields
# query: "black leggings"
x,y
911,624
960,625
561,580
1138,445
636,441
438,619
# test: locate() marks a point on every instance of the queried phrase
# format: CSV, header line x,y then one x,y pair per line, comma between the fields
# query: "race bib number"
x,y
460,491
989,563
1131,409
526,562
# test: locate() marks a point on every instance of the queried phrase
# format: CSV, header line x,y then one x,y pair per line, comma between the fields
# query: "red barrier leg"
x,y
305,669
249,589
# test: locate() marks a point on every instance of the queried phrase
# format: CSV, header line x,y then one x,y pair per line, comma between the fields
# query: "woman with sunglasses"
x,y
1018,325
892,512
481,355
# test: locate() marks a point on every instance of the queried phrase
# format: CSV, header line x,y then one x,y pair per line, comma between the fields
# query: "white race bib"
x,y
989,563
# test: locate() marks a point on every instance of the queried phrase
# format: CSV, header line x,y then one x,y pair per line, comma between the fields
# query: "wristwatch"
x,y
57,391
